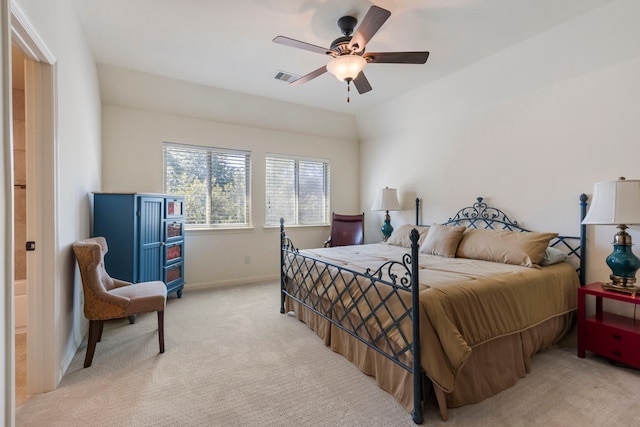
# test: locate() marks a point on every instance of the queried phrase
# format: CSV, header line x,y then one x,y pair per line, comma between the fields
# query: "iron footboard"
x,y
374,307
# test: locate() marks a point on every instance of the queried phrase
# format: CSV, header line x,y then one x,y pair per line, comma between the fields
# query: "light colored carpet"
x,y
233,360
21,368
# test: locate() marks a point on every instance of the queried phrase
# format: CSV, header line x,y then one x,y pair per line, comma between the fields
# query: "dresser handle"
x,y
616,353
616,336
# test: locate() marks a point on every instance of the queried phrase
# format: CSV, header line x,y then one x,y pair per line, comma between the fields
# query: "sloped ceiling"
x,y
228,44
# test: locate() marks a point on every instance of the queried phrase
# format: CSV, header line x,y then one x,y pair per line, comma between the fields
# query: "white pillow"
x,y
553,256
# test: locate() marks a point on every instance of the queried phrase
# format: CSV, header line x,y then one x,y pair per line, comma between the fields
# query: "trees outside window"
x,y
214,181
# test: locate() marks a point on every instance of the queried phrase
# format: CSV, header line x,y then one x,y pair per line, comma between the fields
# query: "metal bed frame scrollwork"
x,y
480,215
387,285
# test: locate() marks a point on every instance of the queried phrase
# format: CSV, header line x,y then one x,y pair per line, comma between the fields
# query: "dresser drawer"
x,y
173,252
173,230
174,207
174,276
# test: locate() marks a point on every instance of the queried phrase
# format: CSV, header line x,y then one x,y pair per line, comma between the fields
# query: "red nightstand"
x,y
607,334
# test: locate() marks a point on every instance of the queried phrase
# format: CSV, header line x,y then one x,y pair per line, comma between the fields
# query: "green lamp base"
x,y
623,264
386,229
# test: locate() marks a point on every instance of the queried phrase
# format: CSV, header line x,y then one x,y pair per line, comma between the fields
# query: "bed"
x,y
490,294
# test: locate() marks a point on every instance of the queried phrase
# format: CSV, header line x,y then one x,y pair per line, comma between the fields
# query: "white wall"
x,y
132,161
529,129
155,93
77,125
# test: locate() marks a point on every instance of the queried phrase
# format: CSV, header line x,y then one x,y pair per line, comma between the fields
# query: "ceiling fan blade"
x,y
312,75
396,57
361,83
302,45
373,20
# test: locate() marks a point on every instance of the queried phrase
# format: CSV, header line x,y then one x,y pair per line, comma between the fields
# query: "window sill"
x,y
219,230
288,227
250,229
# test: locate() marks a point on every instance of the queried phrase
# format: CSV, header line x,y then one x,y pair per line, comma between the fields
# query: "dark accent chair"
x,y
346,230
107,298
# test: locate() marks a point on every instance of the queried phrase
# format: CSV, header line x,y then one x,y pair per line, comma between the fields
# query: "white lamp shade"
x,y
346,66
386,200
615,203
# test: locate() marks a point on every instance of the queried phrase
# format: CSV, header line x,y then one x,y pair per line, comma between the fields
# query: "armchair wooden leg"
x,y
100,331
95,330
161,330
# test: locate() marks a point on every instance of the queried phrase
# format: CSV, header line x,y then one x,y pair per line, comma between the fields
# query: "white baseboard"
x,y
234,282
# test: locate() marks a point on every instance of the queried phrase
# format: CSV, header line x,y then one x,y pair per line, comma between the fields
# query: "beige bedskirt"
x,y
492,367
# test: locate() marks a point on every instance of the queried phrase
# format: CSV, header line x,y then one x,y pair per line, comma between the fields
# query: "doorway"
x,y
20,283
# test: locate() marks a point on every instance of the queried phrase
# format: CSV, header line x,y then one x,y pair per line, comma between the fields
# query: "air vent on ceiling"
x,y
286,77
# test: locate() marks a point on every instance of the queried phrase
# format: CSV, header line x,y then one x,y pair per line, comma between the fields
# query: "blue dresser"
x,y
145,236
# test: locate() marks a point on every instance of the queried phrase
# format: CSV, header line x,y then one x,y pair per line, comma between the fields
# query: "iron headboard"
x,y
481,215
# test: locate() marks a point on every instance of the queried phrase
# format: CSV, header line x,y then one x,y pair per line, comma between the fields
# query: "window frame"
x,y
326,184
209,151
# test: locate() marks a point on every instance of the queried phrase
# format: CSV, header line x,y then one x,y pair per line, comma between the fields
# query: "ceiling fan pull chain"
x,y
348,90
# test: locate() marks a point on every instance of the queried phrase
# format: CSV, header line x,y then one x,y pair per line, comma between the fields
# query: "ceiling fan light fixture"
x,y
346,67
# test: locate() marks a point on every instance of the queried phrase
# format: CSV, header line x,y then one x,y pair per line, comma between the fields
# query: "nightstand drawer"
x,y
616,351
611,335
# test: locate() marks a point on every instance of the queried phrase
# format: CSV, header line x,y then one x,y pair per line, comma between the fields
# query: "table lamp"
x,y
386,200
618,203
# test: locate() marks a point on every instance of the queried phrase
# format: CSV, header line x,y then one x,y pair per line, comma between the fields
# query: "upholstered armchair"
x,y
108,298
346,230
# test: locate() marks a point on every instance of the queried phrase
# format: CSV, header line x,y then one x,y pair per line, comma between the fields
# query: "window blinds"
x,y
297,190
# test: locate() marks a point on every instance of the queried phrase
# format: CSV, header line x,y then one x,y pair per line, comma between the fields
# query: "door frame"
x,y
43,372
7,376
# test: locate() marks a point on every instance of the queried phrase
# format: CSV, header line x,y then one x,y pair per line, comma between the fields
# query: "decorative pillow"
x,y
442,240
553,256
508,247
400,235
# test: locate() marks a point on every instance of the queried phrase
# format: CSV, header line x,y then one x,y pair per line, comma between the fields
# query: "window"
x,y
214,181
297,190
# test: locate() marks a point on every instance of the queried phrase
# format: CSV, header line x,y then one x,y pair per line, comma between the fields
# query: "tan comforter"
x,y
464,303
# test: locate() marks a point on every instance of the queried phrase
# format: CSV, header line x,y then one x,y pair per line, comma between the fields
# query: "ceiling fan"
x,y
348,52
